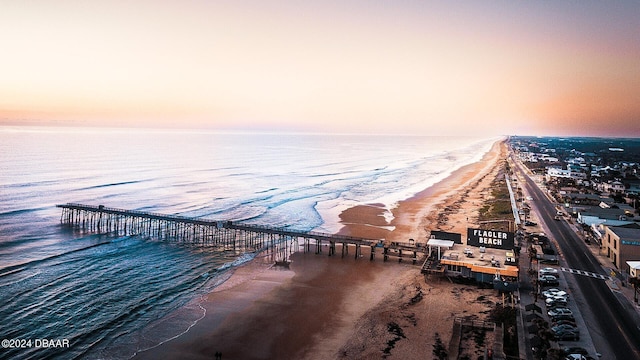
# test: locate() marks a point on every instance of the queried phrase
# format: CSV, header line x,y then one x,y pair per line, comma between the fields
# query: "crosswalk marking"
x,y
587,273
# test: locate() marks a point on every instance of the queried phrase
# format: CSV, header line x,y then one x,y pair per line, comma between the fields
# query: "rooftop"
x,y
480,259
628,232
634,264
596,197
606,213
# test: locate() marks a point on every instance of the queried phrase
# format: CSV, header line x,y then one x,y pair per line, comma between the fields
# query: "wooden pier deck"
x,y
281,242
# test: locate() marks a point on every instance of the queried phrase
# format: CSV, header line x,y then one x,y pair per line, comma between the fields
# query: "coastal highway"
x,y
615,319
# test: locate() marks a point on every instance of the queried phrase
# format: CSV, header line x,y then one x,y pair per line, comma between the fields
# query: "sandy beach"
x,y
331,307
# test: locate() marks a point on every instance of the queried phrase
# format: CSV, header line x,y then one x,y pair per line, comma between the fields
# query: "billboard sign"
x,y
443,235
490,238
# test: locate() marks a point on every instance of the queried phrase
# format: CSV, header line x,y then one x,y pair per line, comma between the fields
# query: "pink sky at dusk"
x,y
415,67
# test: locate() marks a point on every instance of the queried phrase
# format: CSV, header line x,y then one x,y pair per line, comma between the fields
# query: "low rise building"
x,y
633,189
586,199
484,265
568,173
634,268
597,215
612,187
621,244
487,256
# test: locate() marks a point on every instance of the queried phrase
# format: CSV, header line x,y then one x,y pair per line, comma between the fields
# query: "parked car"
x,y
549,259
563,317
565,327
555,306
548,280
555,302
564,322
554,292
575,357
530,223
575,350
557,296
548,271
566,335
559,312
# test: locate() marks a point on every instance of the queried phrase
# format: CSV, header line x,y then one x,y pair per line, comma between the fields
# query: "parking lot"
x,y
551,318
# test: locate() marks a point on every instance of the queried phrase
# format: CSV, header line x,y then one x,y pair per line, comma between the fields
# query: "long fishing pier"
x,y
227,235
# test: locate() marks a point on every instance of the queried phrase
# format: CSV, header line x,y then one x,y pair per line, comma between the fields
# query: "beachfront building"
x,y
621,244
487,256
486,267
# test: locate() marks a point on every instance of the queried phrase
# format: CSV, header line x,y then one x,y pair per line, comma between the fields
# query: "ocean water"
x,y
94,289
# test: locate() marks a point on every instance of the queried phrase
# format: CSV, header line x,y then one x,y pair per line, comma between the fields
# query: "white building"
x,y
558,172
634,268
568,173
612,187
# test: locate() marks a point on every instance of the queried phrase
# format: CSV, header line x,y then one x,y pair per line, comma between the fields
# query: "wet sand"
x,y
270,312
331,307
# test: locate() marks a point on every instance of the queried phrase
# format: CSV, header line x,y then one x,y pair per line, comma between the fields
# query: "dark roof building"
x,y
622,244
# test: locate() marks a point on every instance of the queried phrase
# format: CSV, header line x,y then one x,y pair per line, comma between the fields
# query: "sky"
x,y
351,66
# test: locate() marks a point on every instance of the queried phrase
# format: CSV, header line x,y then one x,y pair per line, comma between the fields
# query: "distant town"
x,y
598,182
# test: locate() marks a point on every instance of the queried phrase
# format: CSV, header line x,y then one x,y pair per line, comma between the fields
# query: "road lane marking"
x,y
587,273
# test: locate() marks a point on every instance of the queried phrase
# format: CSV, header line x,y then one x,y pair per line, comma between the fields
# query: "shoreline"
x,y
415,209
327,307
332,217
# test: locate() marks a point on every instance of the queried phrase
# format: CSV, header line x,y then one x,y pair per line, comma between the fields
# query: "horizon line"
x,y
79,125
